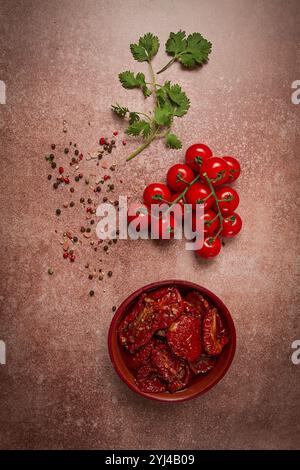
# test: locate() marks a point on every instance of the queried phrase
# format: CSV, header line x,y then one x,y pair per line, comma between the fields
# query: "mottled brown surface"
x,y
60,60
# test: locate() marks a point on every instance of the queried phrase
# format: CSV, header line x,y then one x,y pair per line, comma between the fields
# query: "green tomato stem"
x,y
221,218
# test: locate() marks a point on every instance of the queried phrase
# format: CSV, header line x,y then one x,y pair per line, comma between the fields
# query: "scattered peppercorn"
x,y
88,229
115,240
116,203
55,185
92,222
75,239
91,276
76,152
104,199
114,308
82,229
58,211
98,189
50,271
72,204
77,178
51,157
92,293
53,165
82,199
110,273
53,146
105,248
66,150
49,177
72,190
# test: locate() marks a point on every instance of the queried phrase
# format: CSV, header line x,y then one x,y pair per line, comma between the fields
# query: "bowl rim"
x,y
174,398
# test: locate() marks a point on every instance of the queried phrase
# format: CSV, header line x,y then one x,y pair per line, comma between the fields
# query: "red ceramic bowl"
x,y
200,384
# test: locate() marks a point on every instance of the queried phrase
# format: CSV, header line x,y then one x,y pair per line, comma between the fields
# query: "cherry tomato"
x,y
139,211
234,168
156,189
231,225
196,154
211,247
163,228
178,176
216,169
197,193
228,200
208,227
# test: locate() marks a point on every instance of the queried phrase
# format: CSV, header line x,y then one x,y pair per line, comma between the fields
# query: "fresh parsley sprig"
x,y
169,99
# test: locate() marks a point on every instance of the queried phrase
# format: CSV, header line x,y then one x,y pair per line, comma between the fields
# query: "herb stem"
x,y
142,147
167,65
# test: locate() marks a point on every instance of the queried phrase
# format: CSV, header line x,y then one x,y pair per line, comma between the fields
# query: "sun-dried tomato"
x,y
198,301
184,337
202,365
148,380
151,313
141,356
170,368
214,339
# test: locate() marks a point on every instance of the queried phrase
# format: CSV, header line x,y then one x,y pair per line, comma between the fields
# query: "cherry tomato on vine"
x,y
140,212
179,176
211,223
234,168
163,227
211,247
196,154
155,193
228,200
216,169
231,225
196,195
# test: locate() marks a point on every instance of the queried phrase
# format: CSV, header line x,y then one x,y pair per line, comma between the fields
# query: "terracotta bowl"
x,y
201,383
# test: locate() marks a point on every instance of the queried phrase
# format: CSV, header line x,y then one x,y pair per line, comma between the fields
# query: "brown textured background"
x,y
60,60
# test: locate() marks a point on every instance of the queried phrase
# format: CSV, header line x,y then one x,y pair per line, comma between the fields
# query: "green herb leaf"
x,y
139,127
173,142
180,101
191,51
120,111
130,81
176,43
196,52
146,48
133,117
163,115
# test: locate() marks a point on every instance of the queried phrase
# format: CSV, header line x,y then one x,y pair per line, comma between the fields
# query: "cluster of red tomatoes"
x,y
203,179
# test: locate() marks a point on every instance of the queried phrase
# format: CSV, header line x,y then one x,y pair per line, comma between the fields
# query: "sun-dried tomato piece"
x,y
169,304
214,339
148,380
139,325
171,369
203,364
141,356
184,337
151,313
198,301
182,381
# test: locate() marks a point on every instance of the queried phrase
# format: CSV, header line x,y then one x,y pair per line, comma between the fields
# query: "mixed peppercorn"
x,y
86,188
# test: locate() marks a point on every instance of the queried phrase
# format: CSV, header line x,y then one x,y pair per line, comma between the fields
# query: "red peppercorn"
x,y
66,255
66,181
72,258
102,141
61,170
80,156
124,142
115,133
106,177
